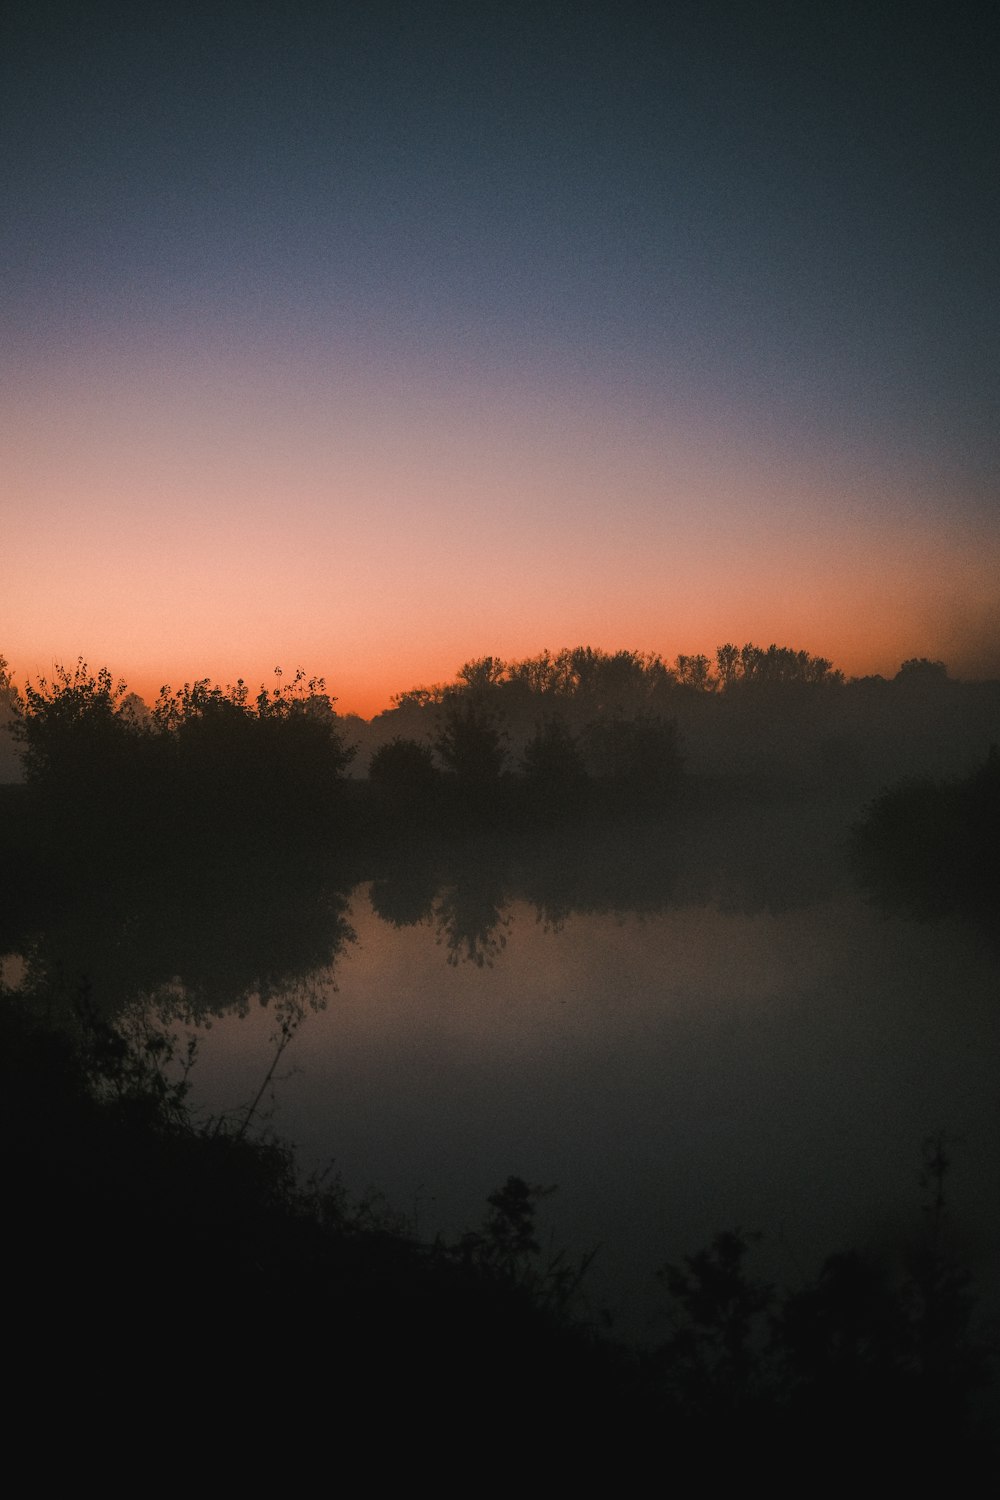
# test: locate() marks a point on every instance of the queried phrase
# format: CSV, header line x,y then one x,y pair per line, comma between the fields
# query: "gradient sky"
x,y
374,337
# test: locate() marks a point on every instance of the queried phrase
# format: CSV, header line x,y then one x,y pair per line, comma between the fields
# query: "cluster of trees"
x,y
618,761
569,726
769,716
99,763
620,679
547,736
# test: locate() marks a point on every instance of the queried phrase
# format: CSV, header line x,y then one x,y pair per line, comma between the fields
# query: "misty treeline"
x,y
555,735
772,717
630,676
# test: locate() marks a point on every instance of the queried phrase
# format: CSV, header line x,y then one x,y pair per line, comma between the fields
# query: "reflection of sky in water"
x,y
673,1075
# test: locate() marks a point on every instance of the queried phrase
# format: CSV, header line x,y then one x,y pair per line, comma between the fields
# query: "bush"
x,y
404,775
204,762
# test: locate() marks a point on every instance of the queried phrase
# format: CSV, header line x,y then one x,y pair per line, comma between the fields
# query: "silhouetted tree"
x,y
536,675
404,765
481,675
10,698
94,769
777,666
637,758
918,669
72,729
405,780
554,772
727,661
10,712
615,682
695,672
100,768
472,744
272,764
715,1358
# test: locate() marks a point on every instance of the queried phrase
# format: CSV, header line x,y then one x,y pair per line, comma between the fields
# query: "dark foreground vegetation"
x,y
169,1264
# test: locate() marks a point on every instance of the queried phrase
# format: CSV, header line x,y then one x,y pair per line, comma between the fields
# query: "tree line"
x,y
618,677
554,735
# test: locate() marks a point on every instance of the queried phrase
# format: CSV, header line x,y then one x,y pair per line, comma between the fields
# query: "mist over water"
x,y
755,1046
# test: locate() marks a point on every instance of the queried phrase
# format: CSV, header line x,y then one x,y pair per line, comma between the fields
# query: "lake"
x,y
754,1046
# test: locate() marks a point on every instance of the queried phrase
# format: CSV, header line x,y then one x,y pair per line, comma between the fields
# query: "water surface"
x,y
674,1073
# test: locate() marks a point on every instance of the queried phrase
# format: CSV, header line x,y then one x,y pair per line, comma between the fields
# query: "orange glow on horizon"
x,y
383,527
366,688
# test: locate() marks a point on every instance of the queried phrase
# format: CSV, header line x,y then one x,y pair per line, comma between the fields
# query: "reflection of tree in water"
x,y
405,897
214,942
552,915
771,858
471,920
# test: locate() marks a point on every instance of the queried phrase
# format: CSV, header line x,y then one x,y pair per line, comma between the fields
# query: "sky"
x,y
371,338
